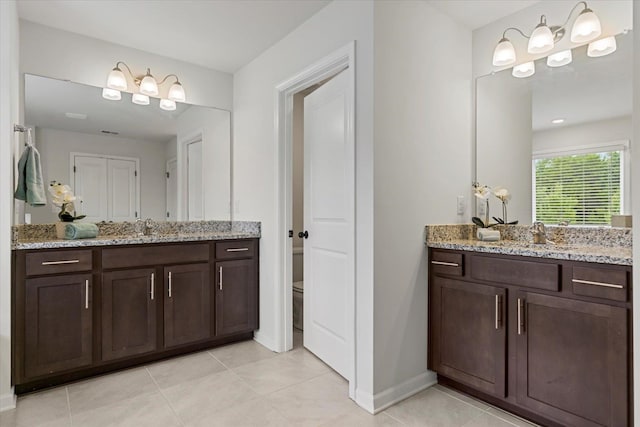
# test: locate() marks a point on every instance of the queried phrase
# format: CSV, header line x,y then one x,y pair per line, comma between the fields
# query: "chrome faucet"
x,y
539,233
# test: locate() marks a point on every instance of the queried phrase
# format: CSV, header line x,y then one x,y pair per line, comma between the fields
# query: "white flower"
x,y
502,194
481,191
61,194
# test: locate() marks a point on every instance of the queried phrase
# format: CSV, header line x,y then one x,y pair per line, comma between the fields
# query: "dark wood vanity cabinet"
x,y
79,312
553,347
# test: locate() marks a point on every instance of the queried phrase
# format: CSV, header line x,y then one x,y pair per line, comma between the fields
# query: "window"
x,y
584,187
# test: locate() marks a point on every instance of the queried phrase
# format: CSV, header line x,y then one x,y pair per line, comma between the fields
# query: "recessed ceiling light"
x,y
557,121
78,116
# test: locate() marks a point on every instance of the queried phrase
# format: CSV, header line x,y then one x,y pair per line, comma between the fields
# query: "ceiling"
x,y
219,34
477,13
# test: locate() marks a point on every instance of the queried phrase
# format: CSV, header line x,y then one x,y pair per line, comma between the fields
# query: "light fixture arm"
x,y
125,66
573,9
504,33
167,76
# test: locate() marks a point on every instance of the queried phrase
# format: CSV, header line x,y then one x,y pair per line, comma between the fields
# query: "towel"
x,y
488,235
30,182
79,230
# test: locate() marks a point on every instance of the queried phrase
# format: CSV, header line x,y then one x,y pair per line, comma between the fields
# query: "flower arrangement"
x,y
483,192
62,197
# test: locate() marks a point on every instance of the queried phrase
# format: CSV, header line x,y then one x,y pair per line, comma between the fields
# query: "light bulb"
x,y
559,59
586,27
148,85
167,104
140,99
111,94
176,92
541,40
116,80
602,47
504,53
524,70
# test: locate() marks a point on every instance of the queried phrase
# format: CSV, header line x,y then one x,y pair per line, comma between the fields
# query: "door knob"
x,y
305,234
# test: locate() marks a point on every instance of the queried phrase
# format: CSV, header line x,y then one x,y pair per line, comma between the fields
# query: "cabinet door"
x,y
469,333
57,324
236,296
128,313
572,360
187,305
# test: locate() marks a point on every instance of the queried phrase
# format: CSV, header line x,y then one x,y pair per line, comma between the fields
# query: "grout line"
x,y
460,400
165,398
392,417
66,389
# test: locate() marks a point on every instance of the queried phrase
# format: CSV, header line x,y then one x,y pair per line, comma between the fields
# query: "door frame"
x,y
166,187
341,60
183,170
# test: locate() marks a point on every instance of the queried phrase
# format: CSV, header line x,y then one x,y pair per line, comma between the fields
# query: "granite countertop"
x,y
111,234
602,245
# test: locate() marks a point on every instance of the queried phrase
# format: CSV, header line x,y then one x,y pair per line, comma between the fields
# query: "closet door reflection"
x,y
195,205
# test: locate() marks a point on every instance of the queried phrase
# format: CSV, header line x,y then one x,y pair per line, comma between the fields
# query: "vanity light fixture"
x,y
147,86
602,47
543,38
524,70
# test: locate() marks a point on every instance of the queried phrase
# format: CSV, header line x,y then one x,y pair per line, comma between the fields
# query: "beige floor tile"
x,y
358,417
487,420
267,376
186,368
44,409
238,354
510,418
313,402
109,389
205,397
308,359
254,413
149,410
431,408
467,399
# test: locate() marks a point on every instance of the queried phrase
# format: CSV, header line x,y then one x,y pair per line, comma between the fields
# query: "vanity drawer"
x,y
530,274
52,262
235,249
601,282
137,256
448,263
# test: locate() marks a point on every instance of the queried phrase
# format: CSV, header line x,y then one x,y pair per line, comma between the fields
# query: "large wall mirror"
x,y
559,140
125,161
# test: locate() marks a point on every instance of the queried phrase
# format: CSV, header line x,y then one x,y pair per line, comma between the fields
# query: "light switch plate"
x,y
460,205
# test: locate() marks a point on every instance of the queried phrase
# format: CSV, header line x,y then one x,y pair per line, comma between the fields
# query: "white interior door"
x,y
122,184
172,190
194,182
90,187
329,220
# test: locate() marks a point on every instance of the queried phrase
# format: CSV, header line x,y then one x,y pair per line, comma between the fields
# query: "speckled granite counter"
x,y
42,236
602,245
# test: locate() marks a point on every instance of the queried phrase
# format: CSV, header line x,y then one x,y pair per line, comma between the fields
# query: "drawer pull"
x,y
169,284
606,285
448,264
497,311
520,324
153,280
86,294
237,249
220,272
69,261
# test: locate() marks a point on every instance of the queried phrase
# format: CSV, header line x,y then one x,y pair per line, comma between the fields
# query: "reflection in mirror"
x,y
559,140
125,161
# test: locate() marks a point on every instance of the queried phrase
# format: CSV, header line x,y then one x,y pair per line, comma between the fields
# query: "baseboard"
x,y
265,341
7,401
381,401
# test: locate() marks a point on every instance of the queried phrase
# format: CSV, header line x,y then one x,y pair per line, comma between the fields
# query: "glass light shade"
x,y
559,59
167,104
504,53
176,92
602,47
111,94
524,70
541,40
116,80
148,86
140,99
586,27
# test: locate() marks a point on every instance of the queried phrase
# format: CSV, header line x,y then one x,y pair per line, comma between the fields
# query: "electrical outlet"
x,y
460,205
481,207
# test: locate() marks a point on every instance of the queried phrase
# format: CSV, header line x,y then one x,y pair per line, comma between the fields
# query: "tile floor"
x,y
241,384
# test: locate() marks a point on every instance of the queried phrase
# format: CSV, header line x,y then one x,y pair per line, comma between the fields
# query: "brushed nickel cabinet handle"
x,y
519,316
589,282
497,311
86,294
220,273
169,284
237,249
68,261
153,284
449,264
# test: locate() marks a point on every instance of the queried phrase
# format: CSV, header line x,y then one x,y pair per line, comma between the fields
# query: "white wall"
x,y
49,52
9,114
422,162
55,145
255,154
635,171
592,133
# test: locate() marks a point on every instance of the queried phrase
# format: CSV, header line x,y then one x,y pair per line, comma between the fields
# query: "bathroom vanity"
x,y
87,307
543,331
